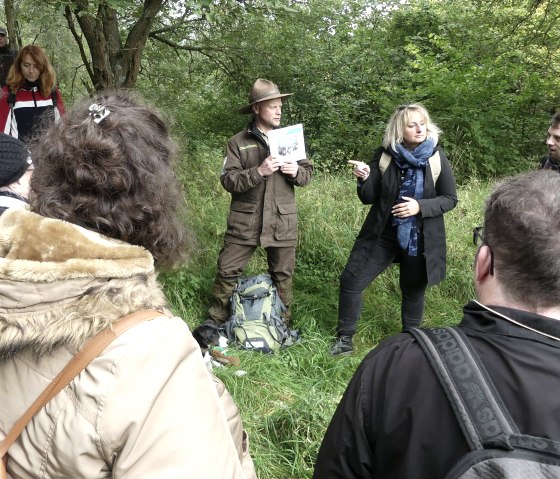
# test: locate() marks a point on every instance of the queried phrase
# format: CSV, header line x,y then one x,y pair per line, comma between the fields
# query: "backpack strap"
x,y
54,97
93,348
481,413
11,98
435,166
384,162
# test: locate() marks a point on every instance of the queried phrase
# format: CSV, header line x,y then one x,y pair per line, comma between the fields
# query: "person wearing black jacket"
x,y
410,185
552,160
7,56
395,421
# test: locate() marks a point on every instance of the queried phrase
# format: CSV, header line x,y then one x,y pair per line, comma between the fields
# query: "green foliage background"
x,y
487,71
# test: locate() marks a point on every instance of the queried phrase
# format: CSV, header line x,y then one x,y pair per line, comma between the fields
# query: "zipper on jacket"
x,y
33,90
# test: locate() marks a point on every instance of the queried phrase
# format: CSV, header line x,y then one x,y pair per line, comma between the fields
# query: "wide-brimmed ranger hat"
x,y
262,90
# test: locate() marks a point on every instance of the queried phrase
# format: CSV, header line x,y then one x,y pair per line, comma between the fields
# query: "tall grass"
x,y
286,400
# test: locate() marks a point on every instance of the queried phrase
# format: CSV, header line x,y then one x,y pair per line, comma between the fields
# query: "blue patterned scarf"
x,y
414,163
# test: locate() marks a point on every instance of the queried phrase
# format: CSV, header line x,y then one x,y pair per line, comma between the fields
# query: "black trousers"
x,y
413,282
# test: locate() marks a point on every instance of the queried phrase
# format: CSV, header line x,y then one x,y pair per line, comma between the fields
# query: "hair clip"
x,y
98,112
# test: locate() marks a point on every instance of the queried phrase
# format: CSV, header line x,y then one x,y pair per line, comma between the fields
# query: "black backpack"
x,y
498,449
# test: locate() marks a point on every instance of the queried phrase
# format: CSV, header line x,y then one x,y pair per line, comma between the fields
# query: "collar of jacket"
x,y
10,199
529,325
60,284
254,131
30,85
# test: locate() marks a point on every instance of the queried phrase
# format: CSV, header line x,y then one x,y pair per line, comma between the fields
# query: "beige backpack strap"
x,y
435,166
384,162
93,348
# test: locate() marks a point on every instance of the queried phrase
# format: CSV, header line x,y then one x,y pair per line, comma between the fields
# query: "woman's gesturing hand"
x,y
361,169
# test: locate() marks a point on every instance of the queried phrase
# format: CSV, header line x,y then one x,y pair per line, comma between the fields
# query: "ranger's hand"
x,y
269,166
290,169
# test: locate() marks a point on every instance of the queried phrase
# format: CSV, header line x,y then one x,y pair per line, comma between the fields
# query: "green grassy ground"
x,y
286,400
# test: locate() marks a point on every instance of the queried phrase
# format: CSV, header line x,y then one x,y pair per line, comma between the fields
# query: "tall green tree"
x,y
111,35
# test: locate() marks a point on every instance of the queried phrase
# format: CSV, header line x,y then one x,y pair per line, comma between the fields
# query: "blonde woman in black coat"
x,y
410,185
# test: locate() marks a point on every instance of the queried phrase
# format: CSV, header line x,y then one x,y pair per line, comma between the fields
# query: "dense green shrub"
x,y
486,73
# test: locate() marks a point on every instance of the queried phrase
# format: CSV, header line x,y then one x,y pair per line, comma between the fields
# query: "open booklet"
x,y
287,143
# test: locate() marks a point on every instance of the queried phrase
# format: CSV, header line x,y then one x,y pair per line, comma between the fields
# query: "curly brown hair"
x,y
115,177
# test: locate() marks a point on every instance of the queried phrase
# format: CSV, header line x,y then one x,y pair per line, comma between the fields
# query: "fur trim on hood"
x,y
60,284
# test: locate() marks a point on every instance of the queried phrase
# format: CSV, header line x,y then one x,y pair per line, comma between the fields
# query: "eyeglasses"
x,y
478,240
402,107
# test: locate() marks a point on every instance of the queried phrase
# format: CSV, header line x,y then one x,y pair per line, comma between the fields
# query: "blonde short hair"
x,y
395,127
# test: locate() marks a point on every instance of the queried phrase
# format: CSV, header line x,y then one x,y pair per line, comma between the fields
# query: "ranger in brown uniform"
x,y
263,207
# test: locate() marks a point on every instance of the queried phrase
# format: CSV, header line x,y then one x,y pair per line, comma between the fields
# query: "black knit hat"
x,y
14,159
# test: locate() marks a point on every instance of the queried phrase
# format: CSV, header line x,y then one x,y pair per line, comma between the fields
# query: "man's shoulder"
x,y
398,351
241,136
243,140
8,52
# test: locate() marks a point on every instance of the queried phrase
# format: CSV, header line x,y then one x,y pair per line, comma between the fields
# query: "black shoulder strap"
x,y
484,419
11,98
54,97
483,416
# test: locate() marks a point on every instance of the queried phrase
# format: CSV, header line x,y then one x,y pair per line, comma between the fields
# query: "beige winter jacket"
x,y
146,407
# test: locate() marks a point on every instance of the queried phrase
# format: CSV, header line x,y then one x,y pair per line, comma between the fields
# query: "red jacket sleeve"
x,y
4,109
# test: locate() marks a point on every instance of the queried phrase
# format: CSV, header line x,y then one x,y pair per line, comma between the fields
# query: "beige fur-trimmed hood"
x,y
60,283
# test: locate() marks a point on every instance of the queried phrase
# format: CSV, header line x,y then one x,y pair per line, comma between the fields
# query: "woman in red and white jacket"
x,y
30,96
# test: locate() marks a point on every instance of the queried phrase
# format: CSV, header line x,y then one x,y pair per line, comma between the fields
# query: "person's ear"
x,y
483,263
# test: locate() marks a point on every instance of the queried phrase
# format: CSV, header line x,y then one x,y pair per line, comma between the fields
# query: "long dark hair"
x,y
47,77
114,176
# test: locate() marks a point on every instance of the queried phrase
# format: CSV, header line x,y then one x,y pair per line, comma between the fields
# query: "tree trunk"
x,y
11,25
136,41
112,65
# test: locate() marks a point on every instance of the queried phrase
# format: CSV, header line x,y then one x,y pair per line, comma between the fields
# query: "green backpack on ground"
x,y
256,320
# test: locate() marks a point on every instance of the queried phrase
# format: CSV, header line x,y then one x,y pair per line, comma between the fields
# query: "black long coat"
x,y
381,191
